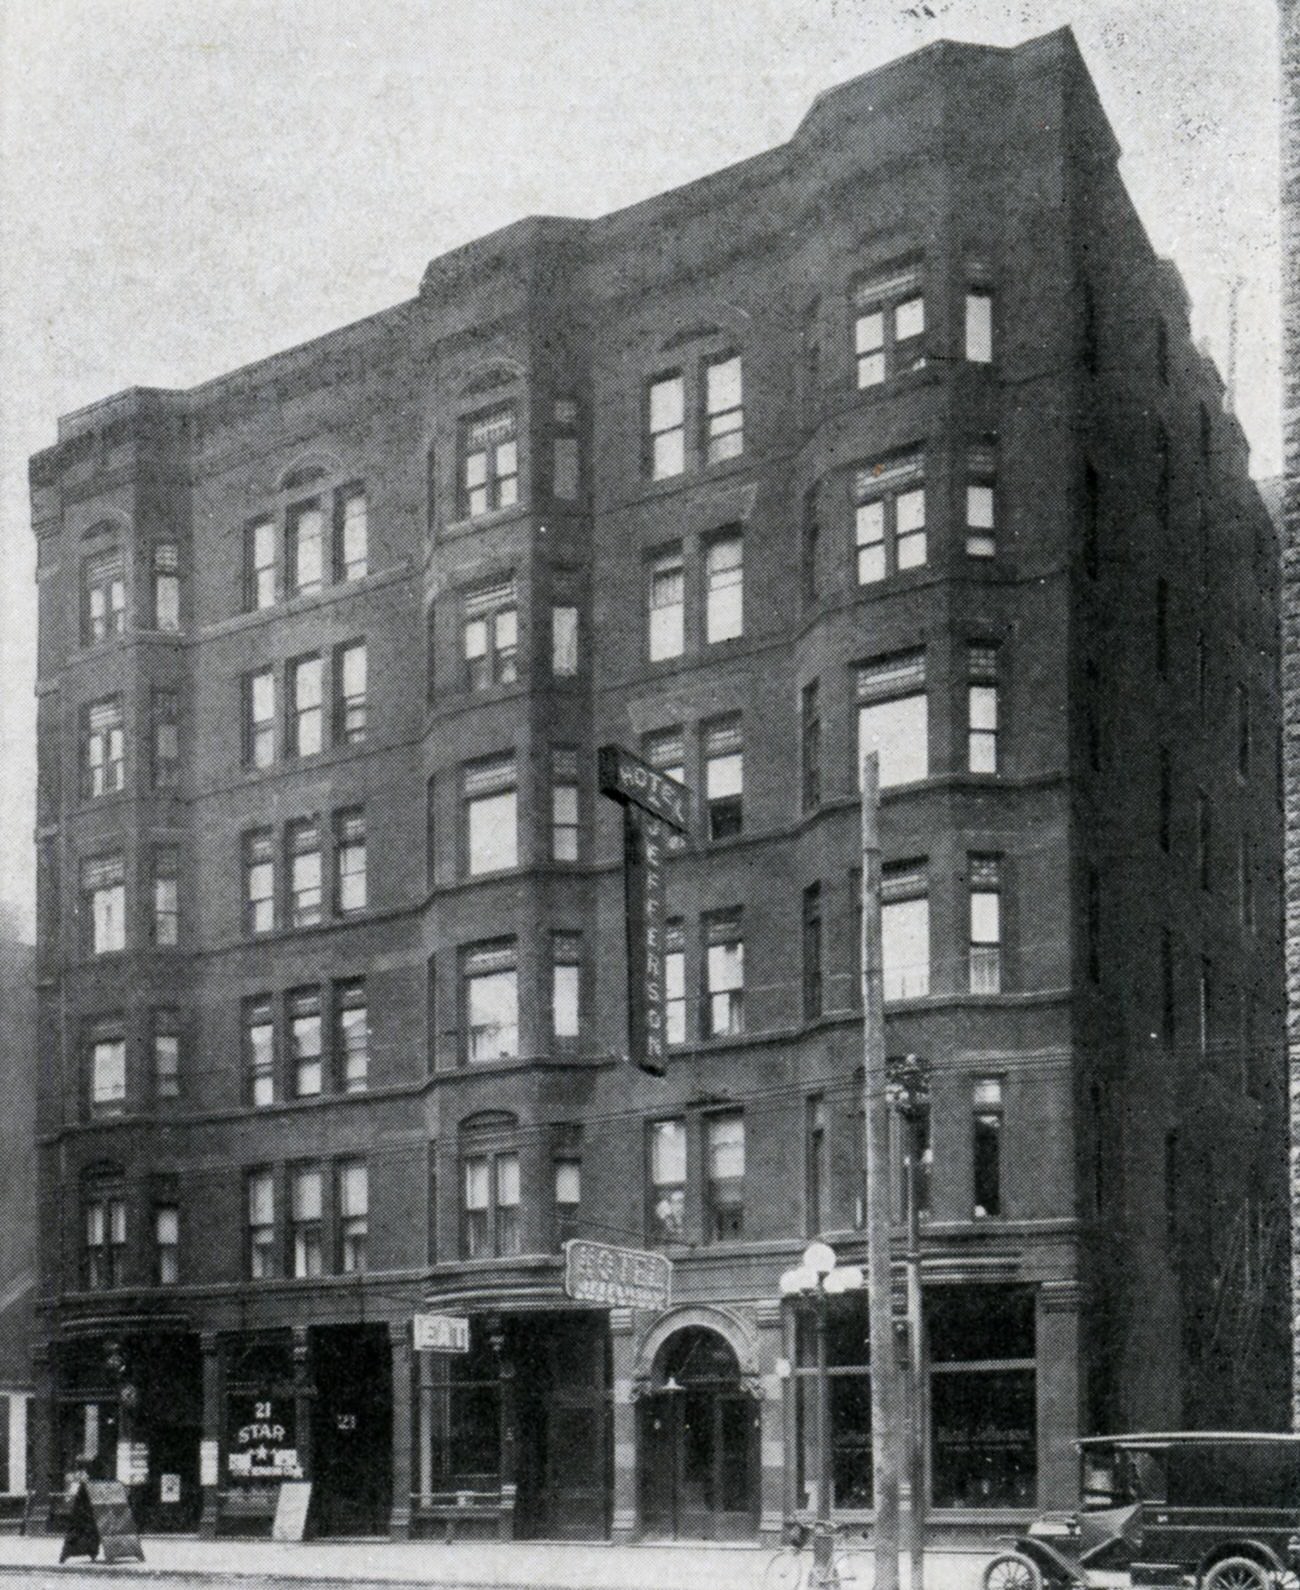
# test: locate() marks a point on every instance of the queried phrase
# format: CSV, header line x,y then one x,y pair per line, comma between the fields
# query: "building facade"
x,y
892,438
17,1214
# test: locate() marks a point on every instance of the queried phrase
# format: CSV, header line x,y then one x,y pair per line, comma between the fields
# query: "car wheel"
x,y
1236,1573
1014,1572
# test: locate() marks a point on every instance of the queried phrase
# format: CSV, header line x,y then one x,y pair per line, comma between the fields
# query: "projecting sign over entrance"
x,y
617,1277
656,810
440,1333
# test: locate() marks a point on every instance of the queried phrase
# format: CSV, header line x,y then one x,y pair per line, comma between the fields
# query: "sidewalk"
x,y
381,1564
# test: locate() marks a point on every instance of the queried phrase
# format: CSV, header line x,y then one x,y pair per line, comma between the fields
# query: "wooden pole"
x,y
886,1409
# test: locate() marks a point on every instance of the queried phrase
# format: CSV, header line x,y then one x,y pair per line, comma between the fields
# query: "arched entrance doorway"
x,y
698,1442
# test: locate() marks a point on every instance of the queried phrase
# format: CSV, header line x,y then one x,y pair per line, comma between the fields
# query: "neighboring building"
x,y
17,1215
893,437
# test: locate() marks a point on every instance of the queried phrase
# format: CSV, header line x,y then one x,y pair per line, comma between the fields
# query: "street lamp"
x,y
813,1282
907,1090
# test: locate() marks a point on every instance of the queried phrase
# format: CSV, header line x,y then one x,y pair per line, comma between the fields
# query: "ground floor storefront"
x,y
562,1420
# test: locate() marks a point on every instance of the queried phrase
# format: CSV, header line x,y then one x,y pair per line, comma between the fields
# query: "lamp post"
x,y
813,1282
908,1091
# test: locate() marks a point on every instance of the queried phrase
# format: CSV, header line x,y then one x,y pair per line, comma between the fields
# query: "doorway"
x,y
352,1430
698,1443
561,1364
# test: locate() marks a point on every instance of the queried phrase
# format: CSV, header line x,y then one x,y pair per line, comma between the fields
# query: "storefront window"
x,y
849,1396
467,1417
983,1423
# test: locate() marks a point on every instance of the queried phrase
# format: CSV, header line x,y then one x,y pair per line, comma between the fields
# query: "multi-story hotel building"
x,y
893,438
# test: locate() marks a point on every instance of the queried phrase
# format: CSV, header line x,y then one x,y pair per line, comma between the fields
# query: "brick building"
x,y
892,437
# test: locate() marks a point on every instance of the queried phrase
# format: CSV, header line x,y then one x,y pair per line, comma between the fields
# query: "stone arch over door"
x,y
739,1334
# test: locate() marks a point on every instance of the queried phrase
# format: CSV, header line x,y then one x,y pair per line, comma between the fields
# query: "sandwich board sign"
x,y
100,1518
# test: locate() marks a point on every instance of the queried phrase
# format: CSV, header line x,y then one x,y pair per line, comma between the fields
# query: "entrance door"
x,y
698,1443
564,1463
352,1430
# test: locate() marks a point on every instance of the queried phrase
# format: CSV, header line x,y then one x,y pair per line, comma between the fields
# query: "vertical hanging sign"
x,y
656,811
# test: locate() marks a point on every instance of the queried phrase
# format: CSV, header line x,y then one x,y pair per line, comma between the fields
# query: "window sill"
x,y
480,521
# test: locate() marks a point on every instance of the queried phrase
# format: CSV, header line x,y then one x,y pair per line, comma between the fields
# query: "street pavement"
x,y
172,1563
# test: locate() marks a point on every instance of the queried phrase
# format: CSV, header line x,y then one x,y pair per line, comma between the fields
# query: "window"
x,y
667,426
889,515
166,1038
724,1191
103,596
810,747
1243,731
259,565
667,605
491,816
1203,838
816,1167
1093,907
352,1035
724,776
667,1212
305,1209
979,325
1166,797
165,716
166,1244
1162,625
491,636
568,1194
982,697
893,718
350,861
1168,1007
985,925
103,749
1163,475
981,503
103,902
105,1242
724,420
492,1224
351,534
303,1006
306,717
888,325
1091,522
665,751
724,975
724,585
490,452
259,881
675,981
566,985
810,546
261,1225
565,458
812,952
259,1050
564,804
165,918
107,1068
905,930
354,1214
305,894
350,693
306,529
259,719
166,586
564,641
491,1002
987,1147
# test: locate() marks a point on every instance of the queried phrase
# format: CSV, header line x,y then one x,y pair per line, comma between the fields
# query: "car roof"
x,y
1193,1438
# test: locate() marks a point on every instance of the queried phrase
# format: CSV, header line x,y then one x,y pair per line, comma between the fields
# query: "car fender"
x,y
1053,1563
1260,1550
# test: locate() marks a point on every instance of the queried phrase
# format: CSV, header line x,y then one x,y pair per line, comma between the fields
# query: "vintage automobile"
x,y
1219,1511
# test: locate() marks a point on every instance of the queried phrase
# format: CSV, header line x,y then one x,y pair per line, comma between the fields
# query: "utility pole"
x,y
909,1094
886,1404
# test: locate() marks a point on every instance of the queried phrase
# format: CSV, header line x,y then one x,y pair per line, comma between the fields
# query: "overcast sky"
x,y
186,188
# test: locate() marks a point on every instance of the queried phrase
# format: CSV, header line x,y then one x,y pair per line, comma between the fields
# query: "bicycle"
x,y
793,1565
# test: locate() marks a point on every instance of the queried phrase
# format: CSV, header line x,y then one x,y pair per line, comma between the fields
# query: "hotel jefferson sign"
x,y
656,817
